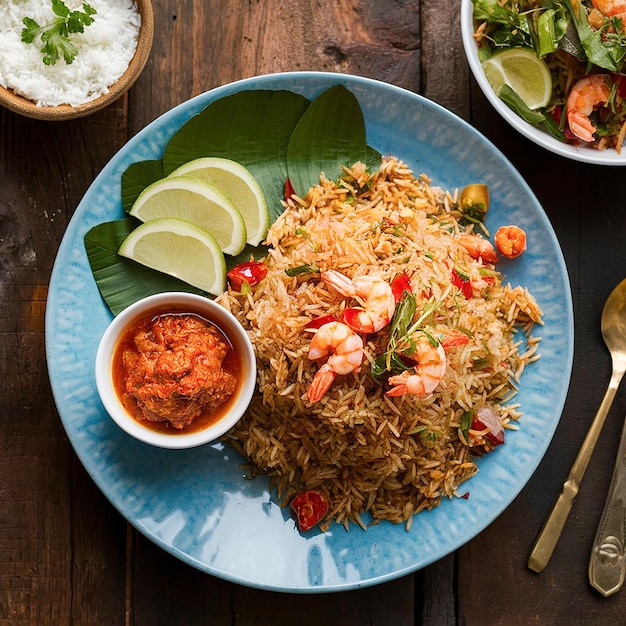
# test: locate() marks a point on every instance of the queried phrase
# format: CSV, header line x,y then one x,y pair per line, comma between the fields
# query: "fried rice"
x,y
377,457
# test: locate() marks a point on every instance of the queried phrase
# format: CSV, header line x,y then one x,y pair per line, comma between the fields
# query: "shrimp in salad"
x,y
344,349
586,95
379,303
607,9
611,8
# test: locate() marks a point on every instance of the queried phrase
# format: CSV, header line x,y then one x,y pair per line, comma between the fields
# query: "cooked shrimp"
x,y
510,241
588,93
428,371
611,8
453,337
379,303
478,247
344,349
607,9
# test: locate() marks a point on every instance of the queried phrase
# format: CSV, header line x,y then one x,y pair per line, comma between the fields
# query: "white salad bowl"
x,y
167,303
537,135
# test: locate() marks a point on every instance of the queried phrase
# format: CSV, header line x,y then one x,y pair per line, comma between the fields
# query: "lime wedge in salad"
x,y
238,185
524,72
197,202
178,248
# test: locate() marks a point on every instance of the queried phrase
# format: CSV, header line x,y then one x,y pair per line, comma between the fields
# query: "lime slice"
x,y
197,202
238,185
524,72
178,248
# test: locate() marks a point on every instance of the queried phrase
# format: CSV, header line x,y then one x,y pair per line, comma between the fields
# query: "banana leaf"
x,y
250,127
137,177
122,281
331,133
274,134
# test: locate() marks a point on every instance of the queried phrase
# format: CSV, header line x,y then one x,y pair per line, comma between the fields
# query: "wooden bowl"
x,y
29,108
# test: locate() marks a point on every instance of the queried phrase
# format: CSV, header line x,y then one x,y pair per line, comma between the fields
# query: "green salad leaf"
x,y
510,28
606,50
511,98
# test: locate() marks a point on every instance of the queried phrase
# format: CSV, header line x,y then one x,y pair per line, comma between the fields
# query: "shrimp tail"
x,y
581,126
399,389
340,282
321,383
426,375
406,383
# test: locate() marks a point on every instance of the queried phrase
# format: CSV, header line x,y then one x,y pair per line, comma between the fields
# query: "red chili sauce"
x,y
176,372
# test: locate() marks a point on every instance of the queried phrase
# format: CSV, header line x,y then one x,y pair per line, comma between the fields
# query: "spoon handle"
x,y
607,565
549,535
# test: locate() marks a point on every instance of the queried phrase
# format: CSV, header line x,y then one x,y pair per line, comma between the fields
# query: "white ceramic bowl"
x,y
167,303
538,136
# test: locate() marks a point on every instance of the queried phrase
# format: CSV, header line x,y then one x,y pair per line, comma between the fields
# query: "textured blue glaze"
x,y
196,503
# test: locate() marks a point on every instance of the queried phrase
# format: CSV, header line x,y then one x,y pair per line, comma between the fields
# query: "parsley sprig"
x,y
55,36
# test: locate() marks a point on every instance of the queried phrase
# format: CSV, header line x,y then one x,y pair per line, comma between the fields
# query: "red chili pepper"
x,y
289,190
309,508
556,113
318,322
250,272
463,284
399,285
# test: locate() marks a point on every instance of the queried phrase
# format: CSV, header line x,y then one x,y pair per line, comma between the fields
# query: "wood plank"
x,y
44,561
200,598
362,37
35,555
444,66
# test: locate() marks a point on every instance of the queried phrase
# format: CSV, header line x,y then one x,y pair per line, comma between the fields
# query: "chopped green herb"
x,y
466,422
302,269
55,36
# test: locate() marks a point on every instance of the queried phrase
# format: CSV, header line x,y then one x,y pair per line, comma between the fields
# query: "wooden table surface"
x,y
68,557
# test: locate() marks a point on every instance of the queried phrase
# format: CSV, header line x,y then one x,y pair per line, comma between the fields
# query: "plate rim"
x,y
205,98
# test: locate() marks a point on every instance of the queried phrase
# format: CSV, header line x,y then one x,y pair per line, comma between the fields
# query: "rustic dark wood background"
x,y
68,558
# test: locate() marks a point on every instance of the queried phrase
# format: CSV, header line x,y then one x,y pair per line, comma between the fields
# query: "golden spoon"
x,y
613,325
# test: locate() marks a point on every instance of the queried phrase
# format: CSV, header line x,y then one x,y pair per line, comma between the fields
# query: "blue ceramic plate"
x,y
195,503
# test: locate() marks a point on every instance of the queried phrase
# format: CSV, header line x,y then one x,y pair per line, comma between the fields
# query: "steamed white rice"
x,y
105,49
